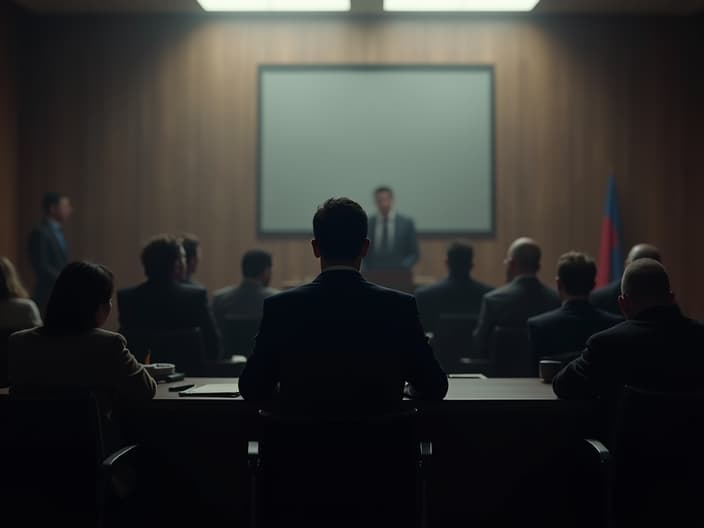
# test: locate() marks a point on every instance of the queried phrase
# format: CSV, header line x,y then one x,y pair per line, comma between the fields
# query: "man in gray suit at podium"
x,y
394,243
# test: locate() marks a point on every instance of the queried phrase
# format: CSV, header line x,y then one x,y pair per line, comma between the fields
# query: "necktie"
x,y
385,236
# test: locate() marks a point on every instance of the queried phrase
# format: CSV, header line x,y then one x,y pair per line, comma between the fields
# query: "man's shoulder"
x,y
606,291
548,318
368,292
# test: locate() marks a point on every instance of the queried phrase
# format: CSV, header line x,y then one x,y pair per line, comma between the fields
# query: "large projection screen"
x,y
426,131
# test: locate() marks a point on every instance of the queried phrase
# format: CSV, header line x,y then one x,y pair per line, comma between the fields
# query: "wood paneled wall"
x,y
9,50
150,125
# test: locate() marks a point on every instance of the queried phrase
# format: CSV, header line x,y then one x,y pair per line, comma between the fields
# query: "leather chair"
x,y
453,344
511,354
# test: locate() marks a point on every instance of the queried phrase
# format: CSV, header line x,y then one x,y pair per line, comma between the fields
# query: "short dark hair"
x,y
190,244
383,188
460,258
340,228
577,273
160,255
255,262
50,199
80,289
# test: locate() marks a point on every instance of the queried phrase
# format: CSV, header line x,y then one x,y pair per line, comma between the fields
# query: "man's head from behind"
x,y
256,265
645,285
523,258
164,259
460,259
340,230
56,206
384,199
191,245
576,275
640,251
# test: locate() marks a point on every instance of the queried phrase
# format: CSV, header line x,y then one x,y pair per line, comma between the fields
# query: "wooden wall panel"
x,y
9,20
150,124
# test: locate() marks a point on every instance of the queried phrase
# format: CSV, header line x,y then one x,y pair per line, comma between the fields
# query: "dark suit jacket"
x,y
341,342
156,306
511,306
565,331
453,295
48,258
606,298
660,350
247,300
404,252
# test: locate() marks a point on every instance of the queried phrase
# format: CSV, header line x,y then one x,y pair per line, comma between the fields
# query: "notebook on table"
x,y
213,390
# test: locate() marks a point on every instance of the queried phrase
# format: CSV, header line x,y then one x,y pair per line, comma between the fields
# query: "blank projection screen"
x,y
426,131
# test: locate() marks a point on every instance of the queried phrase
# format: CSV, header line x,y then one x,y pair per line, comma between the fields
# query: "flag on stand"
x,y
610,249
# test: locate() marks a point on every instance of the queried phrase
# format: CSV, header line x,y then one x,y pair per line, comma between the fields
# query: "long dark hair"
x,y
82,287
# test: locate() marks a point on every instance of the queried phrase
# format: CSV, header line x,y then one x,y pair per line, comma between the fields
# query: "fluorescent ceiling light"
x,y
459,5
275,5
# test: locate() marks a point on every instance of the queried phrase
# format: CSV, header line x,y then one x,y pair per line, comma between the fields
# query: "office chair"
x,y
239,334
184,348
339,471
453,344
510,354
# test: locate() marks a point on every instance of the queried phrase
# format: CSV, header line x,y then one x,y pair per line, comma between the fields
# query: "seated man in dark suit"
x,y
606,297
656,348
523,297
340,341
562,333
457,294
165,303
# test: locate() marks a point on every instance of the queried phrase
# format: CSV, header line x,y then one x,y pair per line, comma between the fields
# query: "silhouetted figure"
x,y
48,249
247,299
191,245
562,333
164,302
71,351
523,297
656,348
394,242
341,341
459,293
17,310
606,297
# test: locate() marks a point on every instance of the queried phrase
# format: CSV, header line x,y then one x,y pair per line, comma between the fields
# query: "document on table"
x,y
213,390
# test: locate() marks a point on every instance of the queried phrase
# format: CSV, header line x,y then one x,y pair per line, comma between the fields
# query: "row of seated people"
x,y
342,324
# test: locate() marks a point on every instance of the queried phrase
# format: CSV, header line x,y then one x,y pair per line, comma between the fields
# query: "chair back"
x,y
658,457
239,335
52,449
452,340
510,354
184,348
331,470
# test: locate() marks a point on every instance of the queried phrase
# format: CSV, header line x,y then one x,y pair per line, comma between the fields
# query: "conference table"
x,y
500,447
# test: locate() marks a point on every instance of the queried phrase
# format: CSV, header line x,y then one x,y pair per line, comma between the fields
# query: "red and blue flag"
x,y
610,248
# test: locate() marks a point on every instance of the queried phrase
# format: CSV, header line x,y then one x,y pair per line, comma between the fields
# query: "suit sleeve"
x,y
39,255
211,338
586,377
129,378
485,325
261,374
413,252
535,337
426,378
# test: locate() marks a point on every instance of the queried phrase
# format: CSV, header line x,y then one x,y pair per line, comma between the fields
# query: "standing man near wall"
x,y
48,249
394,242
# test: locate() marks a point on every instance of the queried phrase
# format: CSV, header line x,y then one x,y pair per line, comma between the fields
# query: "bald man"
x,y
656,348
523,297
606,297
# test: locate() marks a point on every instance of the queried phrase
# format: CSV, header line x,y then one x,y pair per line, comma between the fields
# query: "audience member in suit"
x,y
562,333
394,242
459,293
191,245
164,302
606,297
340,341
48,249
17,310
656,348
523,297
247,299
71,350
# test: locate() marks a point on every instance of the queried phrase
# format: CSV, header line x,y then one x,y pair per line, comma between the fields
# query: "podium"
x,y
398,279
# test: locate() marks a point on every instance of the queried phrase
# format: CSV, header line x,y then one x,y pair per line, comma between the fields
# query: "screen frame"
x,y
422,234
